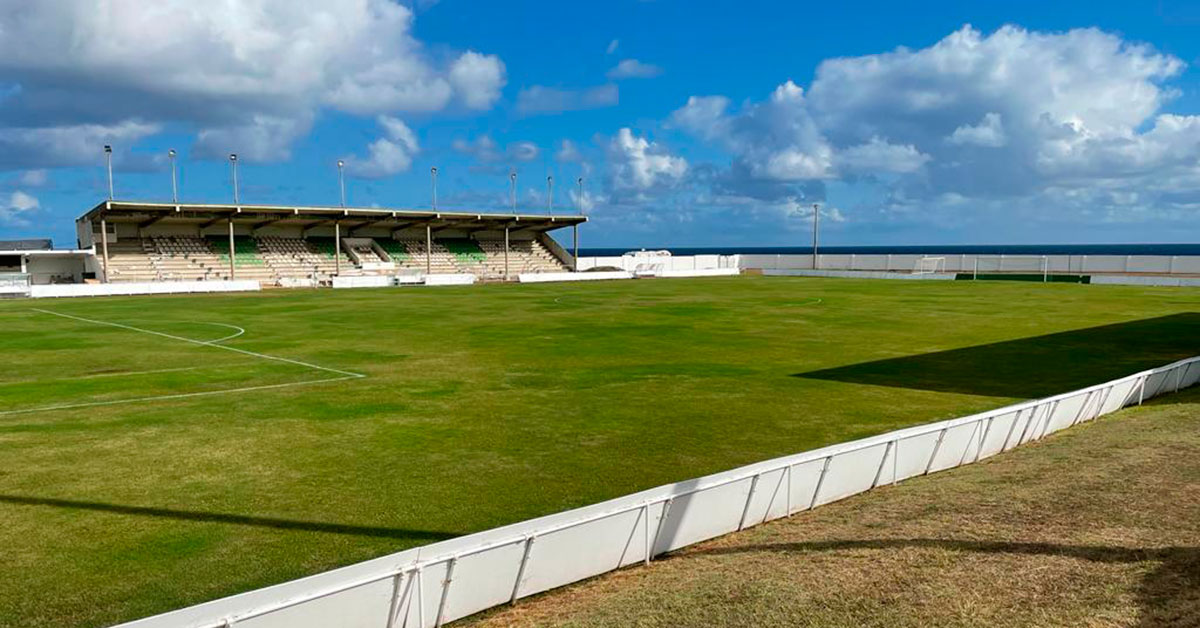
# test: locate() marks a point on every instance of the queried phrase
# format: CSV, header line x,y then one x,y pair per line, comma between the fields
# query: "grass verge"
x,y
1096,526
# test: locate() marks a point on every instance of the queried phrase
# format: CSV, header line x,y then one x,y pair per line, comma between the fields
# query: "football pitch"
x,y
157,452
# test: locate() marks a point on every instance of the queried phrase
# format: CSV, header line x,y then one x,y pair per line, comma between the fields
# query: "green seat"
x,y
465,250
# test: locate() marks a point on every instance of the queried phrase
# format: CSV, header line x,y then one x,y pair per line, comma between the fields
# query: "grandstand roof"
x,y
146,214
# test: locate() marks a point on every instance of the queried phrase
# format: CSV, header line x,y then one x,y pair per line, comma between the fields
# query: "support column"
x,y
104,246
575,237
428,249
506,252
231,271
337,248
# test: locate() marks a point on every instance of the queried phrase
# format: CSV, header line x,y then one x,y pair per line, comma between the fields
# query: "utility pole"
x,y
816,232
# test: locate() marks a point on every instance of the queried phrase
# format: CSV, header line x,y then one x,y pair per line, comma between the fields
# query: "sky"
x,y
690,123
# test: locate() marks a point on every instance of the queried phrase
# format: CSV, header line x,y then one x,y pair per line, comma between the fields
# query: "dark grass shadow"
x,y
1169,595
1034,367
245,520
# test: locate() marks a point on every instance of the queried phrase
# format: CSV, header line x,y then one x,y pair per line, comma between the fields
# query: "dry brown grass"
x,y
1096,526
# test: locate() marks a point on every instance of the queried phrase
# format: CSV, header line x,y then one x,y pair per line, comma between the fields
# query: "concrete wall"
x,y
137,287
429,585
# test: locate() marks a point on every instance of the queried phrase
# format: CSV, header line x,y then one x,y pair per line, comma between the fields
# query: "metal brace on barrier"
x,y
521,569
936,447
820,481
883,461
658,530
749,498
441,613
983,439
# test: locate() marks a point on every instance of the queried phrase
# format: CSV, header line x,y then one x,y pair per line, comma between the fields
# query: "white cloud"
x,y
17,203
639,165
878,155
74,145
477,79
568,152
523,151
775,140
1050,118
541,99
260,138
989,133
387,155
632,68
612,46
226,68
483,148
34,178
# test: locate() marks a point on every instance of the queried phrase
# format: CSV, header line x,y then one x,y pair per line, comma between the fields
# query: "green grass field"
x,y
143,472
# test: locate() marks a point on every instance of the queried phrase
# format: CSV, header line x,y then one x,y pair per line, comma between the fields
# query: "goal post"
x,y
1013,265
929,265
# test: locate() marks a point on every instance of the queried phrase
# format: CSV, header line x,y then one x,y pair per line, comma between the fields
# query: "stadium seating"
x,y
274,260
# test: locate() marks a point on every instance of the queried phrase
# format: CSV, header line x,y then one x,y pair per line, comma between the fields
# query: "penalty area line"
x,y
341,375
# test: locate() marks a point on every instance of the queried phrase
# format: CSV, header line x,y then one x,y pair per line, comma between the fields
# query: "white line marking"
x,y
115,402
342,375
239,332
204,343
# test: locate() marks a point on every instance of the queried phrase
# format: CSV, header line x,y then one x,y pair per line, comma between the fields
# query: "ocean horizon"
x,y
926,249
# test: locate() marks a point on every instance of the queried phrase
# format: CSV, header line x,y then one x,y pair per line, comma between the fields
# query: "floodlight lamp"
x,y
232,156
107,148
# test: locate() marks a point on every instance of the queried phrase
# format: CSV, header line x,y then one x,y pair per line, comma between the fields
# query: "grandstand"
x,y
288,246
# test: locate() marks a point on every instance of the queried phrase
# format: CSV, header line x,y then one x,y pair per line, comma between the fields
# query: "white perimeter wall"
x,y
1067,264
429,585
140,287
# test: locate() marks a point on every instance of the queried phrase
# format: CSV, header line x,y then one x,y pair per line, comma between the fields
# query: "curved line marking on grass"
x,y
239,332
342,375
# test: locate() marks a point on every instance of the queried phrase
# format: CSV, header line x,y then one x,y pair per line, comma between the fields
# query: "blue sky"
x,y
692,124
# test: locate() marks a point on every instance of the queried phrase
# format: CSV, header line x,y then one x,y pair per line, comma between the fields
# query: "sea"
x,y
930,249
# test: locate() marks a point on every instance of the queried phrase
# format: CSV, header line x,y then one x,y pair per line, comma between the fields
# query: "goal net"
x,y
1012,265
929,266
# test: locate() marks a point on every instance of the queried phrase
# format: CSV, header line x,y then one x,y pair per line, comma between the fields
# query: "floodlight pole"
x,y
433,176
233,166
108,162
550,194
512,190
174,179
342,180
428,249
337,248
506,251
816,232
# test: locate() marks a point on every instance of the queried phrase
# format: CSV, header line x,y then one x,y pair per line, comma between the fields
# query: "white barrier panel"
x,y
139,287
702,272
585,276
364,281
430,585
1146,281
855,274
462,279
